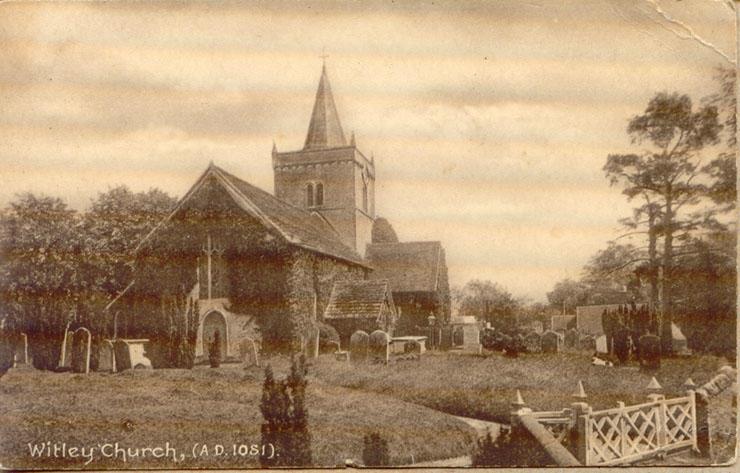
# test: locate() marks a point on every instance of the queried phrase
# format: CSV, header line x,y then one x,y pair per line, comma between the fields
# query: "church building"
x,y
275,267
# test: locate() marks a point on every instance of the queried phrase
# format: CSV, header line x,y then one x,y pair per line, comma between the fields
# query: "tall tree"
x,y
567,294
490,302
669,171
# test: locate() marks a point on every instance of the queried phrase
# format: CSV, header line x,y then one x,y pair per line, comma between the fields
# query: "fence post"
x,y
703,439
623,431
660,417
581,411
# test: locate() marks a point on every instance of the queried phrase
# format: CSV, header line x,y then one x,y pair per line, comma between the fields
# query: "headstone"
x,y
533,342
21,350
121,355
601,346
471,339
457,336
249,353
65,354
106,357
587,342
359,344
551,342
488,338
649,352
445,342
379,341
81,351
571,338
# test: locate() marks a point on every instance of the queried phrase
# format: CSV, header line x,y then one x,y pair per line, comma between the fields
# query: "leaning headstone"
x,y
649,352
551,342
379,345
533,342
471,339
359,344
571,338
81,351
106,357
65,354
248,352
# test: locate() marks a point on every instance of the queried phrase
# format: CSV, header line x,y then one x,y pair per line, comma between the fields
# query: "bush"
x,y
328,335
499,452
286,418
375,450
622,345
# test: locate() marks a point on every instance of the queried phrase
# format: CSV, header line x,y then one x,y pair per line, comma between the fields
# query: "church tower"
x,y
329,175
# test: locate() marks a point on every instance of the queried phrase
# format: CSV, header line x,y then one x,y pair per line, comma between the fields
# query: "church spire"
x,y
324,131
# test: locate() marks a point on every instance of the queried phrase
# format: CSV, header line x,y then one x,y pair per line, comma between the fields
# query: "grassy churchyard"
x,y
412,403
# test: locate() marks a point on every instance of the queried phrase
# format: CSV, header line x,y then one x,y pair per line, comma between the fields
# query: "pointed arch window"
x,y
309,194
319,194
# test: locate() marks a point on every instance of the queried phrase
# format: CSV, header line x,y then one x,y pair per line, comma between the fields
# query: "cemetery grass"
x,y
145,408
483,387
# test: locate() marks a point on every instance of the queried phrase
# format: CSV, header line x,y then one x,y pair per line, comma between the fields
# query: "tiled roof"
x,y
324,130
408,266
298,227
357,299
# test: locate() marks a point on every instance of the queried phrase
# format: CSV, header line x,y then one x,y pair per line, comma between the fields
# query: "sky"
x,y
489,121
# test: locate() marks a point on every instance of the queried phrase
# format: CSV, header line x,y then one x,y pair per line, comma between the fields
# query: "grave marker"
x,y
106,357
533,342
379,345
65,355
81,351
471,339
249,353
551,342
359,344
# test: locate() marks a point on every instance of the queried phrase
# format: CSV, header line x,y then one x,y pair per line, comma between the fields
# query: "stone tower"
x,y
329,175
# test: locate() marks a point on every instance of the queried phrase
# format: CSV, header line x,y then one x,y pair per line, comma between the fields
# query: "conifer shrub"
x,y
375,450
214,350
499,452
285,425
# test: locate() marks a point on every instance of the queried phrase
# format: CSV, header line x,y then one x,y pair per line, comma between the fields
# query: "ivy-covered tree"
x,y
39,281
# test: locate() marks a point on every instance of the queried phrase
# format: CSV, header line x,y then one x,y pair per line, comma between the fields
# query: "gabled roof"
x,y
297,226
409,266
358,299
324,130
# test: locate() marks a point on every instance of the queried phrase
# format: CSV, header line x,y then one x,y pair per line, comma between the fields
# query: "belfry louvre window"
x,y
319,194
212,271
314,194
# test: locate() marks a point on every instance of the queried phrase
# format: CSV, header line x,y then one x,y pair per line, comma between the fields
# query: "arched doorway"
x,y
212,323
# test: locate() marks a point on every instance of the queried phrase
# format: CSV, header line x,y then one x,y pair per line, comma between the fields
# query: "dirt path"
x,y
481,427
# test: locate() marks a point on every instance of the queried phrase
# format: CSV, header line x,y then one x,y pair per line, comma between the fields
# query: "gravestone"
x,y
649,352
121,356
471,339
571,338
587,342
359,344
21,350
445,341
533,342
81,351
457,336
622,345
106,357
248,352
379,345
551,342
65,355
601,346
